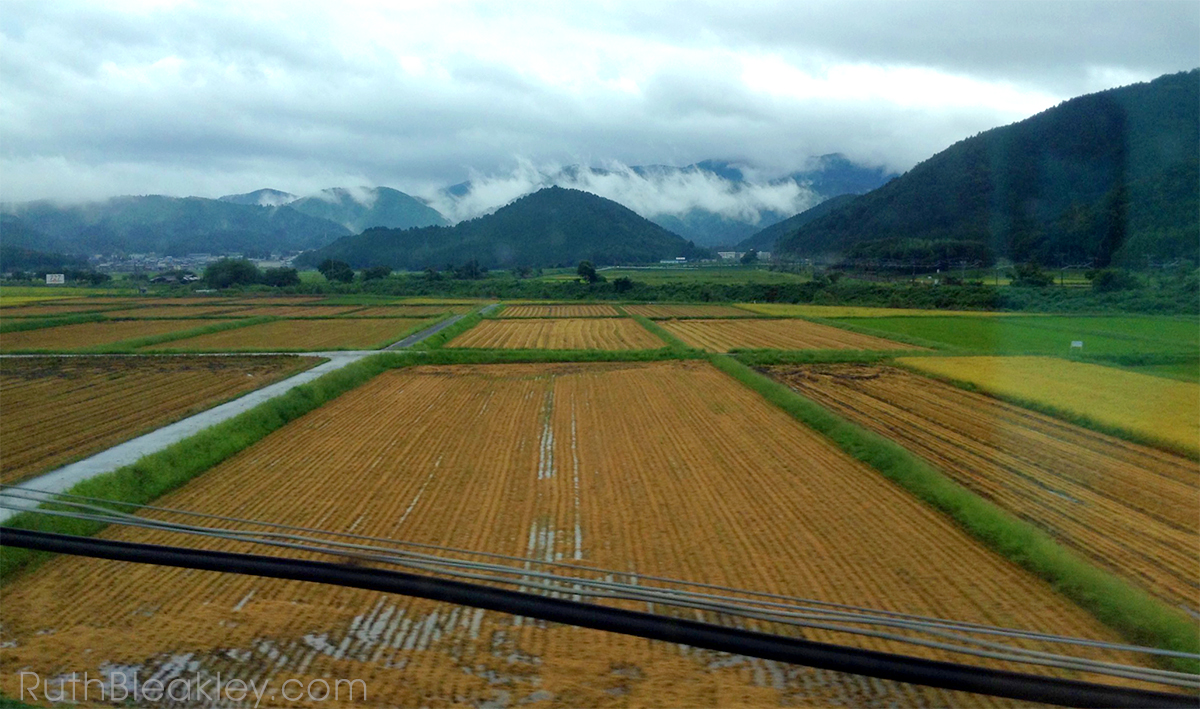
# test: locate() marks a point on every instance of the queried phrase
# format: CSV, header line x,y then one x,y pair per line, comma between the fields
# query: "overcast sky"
x,y
194,98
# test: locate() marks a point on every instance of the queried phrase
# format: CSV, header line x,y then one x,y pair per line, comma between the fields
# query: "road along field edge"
x,y
153,475
1130,611
302,364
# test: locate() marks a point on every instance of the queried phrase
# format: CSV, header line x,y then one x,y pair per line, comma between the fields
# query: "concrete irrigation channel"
x,y
129,452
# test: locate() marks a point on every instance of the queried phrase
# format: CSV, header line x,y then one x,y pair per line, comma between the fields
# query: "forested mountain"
x,y
551,227
23,248
765,240
171,226
369,207
1111,177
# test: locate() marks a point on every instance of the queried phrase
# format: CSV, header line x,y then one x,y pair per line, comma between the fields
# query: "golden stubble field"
x,y
56,409
64,338
688,311
559,311
1127,508
787,334
665,468
177,311
560,334
301,335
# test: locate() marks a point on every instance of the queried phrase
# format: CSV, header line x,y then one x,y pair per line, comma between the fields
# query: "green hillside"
x,y
381,206
766,239
172,226
1111,177
551,227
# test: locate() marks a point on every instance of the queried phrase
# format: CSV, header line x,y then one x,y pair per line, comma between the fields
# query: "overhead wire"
x,y
820,618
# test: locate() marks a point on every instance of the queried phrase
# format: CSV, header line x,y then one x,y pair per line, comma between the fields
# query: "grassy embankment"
x,y
1128,610
25,324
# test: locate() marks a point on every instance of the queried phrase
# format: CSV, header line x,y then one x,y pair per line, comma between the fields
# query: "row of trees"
x,y
242,272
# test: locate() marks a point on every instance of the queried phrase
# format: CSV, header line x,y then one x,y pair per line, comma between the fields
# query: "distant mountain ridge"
x,y
551,227
173,226
1107,178
273,221
766,239
828,176
369,207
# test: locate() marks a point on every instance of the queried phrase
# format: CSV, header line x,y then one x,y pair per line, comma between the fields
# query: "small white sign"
x,y
1076,343
55,279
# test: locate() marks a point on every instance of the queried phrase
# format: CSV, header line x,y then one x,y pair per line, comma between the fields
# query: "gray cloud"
x,y
649,193
215,98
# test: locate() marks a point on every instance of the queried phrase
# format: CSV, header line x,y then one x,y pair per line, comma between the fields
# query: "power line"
x,y
789,614
1025,687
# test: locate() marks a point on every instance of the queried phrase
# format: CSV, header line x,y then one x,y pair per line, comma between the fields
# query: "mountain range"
x,y
1107,178
712,202
551,227
273,221
354,209
172,226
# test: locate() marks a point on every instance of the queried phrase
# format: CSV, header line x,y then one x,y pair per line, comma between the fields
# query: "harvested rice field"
x,y
194,300
41,310
279,300
300,311
688,311
805,310
1158,408
531,461
726,335
58,409
1130,509
302,335
559,334
65,338
177,311
411,311
559,311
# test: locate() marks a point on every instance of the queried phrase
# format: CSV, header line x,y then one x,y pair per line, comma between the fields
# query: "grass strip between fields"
x,y
1130,611
940,347
662,333
438,340
764,357
134,344
423,325
23,324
